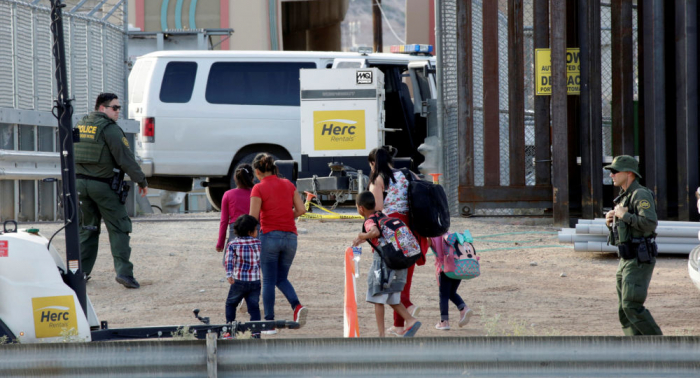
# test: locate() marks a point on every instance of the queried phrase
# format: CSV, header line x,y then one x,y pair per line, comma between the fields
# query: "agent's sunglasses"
x,y
613,171
115,107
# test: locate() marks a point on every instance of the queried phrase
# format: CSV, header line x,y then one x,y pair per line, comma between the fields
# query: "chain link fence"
x,y
449,55
94,34
606,73
450,136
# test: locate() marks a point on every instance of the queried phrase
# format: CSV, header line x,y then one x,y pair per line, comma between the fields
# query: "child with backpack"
x,y
384,285
391,188
447,248
242,263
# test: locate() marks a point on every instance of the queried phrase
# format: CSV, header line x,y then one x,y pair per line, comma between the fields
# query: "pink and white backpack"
x,y
460,259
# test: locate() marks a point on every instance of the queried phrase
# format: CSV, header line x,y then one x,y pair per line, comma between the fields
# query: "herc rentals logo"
x,y
52,314
339,130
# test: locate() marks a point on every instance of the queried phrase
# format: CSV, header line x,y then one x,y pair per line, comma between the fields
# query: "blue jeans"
x,y
248,290
278,249
448,292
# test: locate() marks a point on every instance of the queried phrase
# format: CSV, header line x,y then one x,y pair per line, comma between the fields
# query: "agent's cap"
x,y
624,163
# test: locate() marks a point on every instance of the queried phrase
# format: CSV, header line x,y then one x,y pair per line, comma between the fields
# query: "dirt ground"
x,y
530,284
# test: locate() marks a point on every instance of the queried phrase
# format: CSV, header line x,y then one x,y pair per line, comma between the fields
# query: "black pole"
x,y
377,26
64,113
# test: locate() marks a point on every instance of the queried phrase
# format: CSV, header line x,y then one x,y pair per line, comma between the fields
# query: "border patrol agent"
x,y
632,227
101,158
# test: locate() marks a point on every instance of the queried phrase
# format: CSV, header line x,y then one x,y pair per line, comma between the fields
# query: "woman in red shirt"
x,y
235,203
276,202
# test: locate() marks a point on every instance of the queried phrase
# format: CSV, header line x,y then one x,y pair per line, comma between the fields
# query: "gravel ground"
x,y
530,284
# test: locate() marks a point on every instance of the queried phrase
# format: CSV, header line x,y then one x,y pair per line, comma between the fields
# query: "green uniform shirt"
x,y
640,219
103,146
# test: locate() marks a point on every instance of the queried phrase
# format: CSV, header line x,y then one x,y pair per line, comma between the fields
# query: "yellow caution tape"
x,y
330,215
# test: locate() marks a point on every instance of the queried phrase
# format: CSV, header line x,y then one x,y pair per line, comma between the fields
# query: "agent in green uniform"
x,y
103,147
632,227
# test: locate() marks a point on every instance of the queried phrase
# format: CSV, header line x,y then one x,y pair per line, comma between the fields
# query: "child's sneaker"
x,y
465,314
300,313
227,336
443,325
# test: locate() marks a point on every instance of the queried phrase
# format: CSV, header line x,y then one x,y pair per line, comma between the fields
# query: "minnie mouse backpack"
x,y
461,261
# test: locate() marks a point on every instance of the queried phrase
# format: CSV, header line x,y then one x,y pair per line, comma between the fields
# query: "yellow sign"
x,y
53,314
543,72
339,130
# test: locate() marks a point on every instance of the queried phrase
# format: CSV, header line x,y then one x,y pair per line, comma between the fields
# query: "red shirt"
x,y
276,211
235,203
369,223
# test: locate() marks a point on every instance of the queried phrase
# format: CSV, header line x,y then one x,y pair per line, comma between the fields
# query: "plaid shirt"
x,y
242,260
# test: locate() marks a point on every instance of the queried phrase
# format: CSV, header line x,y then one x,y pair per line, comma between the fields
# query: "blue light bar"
x,y
412,49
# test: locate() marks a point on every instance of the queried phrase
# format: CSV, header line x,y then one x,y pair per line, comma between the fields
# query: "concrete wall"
x,y
418,22
250,22
310,25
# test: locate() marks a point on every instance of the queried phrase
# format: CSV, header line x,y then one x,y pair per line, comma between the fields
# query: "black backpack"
x,y
428,209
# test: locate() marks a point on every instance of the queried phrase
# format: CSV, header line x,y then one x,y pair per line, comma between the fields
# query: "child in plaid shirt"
x,y
242,263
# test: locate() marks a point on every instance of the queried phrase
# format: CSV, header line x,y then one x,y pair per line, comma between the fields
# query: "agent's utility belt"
x,y
100,179
643,249
117,183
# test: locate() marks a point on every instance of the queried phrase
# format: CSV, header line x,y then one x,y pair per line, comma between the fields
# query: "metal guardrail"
x,y
29,165
652,356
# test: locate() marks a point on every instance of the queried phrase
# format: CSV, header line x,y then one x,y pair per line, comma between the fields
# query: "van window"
x,y
178,82
255,83
137,80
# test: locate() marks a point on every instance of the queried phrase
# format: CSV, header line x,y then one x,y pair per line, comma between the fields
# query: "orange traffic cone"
x,y
351,327
307,203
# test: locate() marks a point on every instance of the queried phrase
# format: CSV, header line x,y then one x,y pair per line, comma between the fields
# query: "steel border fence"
x,y
95,33
448,51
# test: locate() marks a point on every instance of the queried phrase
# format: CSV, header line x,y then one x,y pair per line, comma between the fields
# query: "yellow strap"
x,y
330,215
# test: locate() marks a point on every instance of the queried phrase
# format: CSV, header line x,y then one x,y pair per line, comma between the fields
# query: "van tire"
x,y
216,193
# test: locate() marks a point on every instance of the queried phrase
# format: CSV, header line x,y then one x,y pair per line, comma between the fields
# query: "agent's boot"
x,y
129,282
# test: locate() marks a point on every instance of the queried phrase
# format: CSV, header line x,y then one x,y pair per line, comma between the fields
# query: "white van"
x,y
204,112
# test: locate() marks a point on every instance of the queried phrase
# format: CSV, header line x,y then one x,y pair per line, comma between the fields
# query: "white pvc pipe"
x,y
683,232
603,247
576,238
579,238
584,247
661,223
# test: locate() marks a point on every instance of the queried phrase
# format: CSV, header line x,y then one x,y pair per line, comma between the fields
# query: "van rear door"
x,y
138,85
